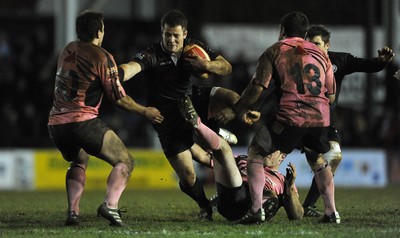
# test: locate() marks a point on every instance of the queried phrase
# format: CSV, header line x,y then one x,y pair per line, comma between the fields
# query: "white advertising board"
x,y
16,170
359,168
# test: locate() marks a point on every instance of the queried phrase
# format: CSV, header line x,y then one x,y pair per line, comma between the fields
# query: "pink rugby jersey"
x,y
84,73
303,74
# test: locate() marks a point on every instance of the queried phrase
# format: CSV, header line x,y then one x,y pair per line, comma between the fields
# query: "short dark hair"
x,y
88,23
174,18
319,30
295,24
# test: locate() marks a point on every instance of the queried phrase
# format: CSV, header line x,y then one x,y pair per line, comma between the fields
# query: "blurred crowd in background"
x,y
28,64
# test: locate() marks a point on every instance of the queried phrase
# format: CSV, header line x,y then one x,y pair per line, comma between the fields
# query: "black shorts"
x,y
70,138
277,136
233,203
175,134
333,134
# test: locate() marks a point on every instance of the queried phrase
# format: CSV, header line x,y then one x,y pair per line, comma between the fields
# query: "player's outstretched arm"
x,y
291,202
128,104
219,66
128,70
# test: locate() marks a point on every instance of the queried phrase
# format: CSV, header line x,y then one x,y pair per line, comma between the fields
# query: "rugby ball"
x,y
195,50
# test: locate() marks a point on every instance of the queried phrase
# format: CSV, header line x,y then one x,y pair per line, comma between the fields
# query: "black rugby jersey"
x,y
345,63
165,79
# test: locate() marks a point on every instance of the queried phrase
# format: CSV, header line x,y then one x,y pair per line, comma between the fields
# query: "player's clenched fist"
x,y
385,54
251,117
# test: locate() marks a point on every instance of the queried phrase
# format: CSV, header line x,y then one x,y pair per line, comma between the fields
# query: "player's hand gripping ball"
x,y
195,57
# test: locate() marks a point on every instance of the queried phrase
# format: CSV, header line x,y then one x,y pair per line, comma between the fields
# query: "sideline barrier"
x,y
358,168
45,170
16,169
27,169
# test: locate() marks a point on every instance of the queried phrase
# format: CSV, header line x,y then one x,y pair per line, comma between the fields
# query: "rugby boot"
x,y
311,211
214,202
271,207
333,218
112,215
252,218
72,219
206,213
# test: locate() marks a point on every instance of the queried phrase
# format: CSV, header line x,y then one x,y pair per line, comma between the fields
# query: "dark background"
x,y
28,61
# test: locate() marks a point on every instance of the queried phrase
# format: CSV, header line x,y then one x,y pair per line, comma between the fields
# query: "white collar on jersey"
x,y
174,57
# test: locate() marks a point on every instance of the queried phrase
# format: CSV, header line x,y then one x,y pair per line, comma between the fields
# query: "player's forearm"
x,y
367,65
128,104
248,98
130,69
219,66
292,205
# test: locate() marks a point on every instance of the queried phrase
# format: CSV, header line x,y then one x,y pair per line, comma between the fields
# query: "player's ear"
x,y
101,31
281,33
185,34
327,45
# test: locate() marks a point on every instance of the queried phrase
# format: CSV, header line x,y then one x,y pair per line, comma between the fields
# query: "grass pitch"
x,y
170,213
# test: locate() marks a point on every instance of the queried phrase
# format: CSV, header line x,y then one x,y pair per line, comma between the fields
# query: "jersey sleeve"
x,y
330,82
110,80
354,64
147,59
264,68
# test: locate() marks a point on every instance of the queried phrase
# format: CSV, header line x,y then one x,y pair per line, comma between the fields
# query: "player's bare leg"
x,y
255,170
256,180
221,98
189,183
115,153
75,182
224,158
202,156
324,179
207,136
333,157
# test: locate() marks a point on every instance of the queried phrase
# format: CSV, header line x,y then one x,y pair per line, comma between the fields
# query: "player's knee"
x,y
187,178
256,151
186,182
317,163
82,158
315,160
74,165
224,145
130,162
191,179
334,155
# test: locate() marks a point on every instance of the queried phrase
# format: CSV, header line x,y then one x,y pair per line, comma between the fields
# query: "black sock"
x,y
196,192
312,196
